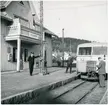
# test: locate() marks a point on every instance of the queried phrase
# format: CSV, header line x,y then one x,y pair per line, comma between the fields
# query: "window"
x,y
14,54
45,56
25,55
85,51
100,50
25,52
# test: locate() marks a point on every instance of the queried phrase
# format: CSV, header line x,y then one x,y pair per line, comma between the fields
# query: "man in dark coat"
x,y
31,62
101,72
69,64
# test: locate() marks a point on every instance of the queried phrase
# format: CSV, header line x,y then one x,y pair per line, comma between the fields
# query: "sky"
x,y
82,19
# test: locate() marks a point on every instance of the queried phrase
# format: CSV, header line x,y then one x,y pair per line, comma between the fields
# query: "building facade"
x,y
20,35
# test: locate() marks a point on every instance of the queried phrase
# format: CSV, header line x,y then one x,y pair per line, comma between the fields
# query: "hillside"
x,y
70,44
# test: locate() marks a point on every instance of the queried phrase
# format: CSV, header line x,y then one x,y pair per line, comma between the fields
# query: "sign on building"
x,y
14,29
32,35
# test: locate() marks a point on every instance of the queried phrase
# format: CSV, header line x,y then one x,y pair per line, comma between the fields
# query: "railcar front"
x,y
87,58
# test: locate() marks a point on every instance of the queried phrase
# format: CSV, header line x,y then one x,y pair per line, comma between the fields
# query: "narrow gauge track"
x,y
76,94
71,93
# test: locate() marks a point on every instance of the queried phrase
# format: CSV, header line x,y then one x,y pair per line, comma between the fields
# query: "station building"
x,y
20,35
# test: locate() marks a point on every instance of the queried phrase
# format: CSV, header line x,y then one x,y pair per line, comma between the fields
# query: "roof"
x,y
36,19
49,32
4,4
5,16
92,44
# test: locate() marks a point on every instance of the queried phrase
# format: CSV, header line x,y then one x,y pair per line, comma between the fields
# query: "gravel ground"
x,y
73,96
47,97
94,97
105,99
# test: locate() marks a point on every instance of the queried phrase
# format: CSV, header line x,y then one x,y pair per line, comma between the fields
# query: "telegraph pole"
x,y
63,44
41,32
70,47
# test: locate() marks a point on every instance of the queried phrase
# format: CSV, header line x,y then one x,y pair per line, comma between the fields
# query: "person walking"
x,y
31,62
101,72
69,64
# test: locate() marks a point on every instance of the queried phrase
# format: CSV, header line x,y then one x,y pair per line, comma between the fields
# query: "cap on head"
x,y
99,58
32,52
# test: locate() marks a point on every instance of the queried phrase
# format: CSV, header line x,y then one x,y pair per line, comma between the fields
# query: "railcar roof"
x,y
92,44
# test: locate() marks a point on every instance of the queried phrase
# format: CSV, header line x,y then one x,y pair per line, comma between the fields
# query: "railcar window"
x,y
85,51
99,50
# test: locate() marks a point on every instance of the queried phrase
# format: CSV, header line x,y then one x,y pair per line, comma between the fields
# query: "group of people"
x,y
31,63
101,69
100,66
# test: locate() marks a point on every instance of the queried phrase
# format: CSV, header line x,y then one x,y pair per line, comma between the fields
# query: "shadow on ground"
x,y
45,98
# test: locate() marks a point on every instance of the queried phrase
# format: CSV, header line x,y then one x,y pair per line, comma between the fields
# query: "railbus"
x,y
87,58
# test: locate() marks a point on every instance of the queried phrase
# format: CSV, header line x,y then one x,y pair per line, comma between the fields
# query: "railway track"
x,y
72,93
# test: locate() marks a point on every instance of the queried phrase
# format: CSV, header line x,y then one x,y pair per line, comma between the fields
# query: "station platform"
x,y
19,87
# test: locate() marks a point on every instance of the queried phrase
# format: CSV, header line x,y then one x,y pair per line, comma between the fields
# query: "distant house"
x,y
20,35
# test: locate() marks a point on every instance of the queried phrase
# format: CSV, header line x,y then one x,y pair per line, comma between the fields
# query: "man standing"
x,y
101,72
31,62
69,64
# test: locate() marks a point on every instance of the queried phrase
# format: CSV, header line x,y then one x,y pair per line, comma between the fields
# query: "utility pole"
x,y
63,44
41,32
70,47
